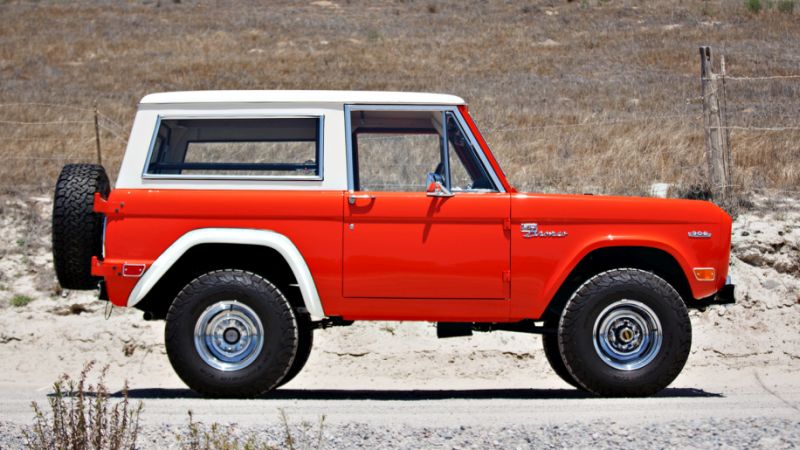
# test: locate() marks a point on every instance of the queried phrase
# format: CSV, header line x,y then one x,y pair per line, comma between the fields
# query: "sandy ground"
x,y
387,374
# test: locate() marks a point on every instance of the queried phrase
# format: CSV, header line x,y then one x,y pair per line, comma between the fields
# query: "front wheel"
x,y
553,355
231,333
625,332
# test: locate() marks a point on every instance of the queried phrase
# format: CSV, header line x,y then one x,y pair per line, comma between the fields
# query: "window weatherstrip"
x,y
234,166
445,152
320,136
348,138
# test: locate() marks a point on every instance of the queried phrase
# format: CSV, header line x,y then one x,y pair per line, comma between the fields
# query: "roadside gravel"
x,y
751,432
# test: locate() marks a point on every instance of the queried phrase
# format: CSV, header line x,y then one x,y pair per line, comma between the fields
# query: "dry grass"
x,y
83,417
216,436
591,96
219,437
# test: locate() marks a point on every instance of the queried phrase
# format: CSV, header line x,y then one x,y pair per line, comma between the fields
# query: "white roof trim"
x,y
352,97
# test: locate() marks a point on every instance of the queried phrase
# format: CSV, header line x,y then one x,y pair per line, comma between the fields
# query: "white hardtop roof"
x,y
344,97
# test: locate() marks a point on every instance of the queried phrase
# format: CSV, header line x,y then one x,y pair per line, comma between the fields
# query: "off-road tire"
x,y
553,355
305,334
577,344
273,310
77,229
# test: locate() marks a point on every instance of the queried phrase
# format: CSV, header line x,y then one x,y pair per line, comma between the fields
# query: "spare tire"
x,y
77,229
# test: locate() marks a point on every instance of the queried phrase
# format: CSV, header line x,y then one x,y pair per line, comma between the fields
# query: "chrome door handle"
x,y
352,199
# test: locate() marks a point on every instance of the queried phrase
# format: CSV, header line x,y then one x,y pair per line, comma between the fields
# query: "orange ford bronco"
x,y
248,219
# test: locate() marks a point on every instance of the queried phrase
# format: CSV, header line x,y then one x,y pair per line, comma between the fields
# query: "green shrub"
x,y
754,6
20,300
82,417
786,6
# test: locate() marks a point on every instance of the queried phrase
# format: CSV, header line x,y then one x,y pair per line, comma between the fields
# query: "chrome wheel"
x,y
627,335
228,336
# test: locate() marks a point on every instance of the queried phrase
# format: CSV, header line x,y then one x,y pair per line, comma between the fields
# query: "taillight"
x,y
133,270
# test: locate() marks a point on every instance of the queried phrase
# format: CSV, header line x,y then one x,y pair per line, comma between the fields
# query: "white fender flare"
x,y
244,236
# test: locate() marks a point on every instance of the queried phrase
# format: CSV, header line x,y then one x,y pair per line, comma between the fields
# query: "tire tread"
x,y
582,298
77,229
181,309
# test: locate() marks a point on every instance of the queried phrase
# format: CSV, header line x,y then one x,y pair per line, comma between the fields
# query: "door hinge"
x,y
507,224
507,283
103,206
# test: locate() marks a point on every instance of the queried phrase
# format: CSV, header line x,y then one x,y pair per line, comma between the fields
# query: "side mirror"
x,y
435,186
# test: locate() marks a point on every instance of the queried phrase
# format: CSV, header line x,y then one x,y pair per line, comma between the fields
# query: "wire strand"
x,y
49,105
110,120
36,139
589,124
775,77
113,133
741,128
47,158
60,122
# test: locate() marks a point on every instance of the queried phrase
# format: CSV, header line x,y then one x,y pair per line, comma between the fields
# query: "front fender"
x,y
560,275
265,238
540,266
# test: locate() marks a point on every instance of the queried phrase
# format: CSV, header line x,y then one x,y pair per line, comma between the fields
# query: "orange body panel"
x,y
151,220
408,256
540,264
412,257
409,245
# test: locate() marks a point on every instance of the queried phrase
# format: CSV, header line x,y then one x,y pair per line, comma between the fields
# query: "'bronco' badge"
x,y
531,230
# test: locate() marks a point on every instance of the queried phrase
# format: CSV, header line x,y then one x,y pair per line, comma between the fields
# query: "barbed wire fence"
x,y
84,125
82,129
716,119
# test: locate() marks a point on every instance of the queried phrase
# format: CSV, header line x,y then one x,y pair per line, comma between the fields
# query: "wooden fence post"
x,y
97,136
718,154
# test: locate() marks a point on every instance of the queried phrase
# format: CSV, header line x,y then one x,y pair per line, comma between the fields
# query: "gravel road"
x,y
707,408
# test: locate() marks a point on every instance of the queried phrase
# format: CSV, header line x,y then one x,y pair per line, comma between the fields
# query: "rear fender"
x,y
265,238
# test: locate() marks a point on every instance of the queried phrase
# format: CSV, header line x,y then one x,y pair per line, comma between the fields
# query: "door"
x,y
424,218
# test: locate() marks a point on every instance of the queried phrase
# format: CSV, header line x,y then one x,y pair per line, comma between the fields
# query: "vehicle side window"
x,y
466,170
237,147
396,150
397,161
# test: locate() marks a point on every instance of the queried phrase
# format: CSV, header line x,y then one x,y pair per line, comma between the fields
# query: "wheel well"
x,y
204,258
650,259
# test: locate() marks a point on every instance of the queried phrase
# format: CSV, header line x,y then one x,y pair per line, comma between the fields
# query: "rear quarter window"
x,y
259,147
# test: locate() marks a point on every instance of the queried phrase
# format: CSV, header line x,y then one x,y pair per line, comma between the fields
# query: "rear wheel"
x,y
625,332
231,333
305,341
77,229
